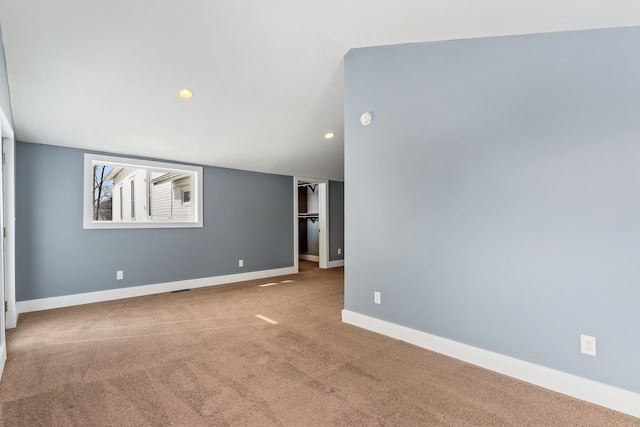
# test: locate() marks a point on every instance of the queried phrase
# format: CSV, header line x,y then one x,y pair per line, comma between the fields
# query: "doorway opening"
x,y
311,223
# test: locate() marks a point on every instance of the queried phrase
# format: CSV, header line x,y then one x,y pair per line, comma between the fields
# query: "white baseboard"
x,y
3,357
316,258
136,291
581,388
11,319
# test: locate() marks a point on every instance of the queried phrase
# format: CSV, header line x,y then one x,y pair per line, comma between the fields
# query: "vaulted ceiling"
x,y
266,76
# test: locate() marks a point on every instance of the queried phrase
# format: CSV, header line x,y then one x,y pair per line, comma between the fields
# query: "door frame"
x,y
7,249
323,220
9,202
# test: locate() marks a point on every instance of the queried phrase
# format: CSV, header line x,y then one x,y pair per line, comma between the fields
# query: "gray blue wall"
x,y
247,216
5,101
502,207
336,220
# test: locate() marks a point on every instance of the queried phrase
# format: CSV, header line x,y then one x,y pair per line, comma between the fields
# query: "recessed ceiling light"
x,y
329,135
185,94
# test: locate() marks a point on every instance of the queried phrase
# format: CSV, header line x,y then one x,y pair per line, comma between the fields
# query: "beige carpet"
x,y
203,358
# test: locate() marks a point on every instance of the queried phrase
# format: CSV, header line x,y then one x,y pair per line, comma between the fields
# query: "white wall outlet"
x,y
377,298
119,275
339,251
588,345
241,263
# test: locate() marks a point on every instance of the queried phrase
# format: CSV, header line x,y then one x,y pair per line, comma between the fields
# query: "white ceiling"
x,y
267,76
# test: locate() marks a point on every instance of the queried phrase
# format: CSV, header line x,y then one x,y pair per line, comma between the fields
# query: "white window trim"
x,y
197,191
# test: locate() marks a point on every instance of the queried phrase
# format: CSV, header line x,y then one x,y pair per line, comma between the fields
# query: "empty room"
x,y
410,213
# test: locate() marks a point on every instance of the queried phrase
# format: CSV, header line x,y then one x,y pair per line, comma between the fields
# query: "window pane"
x,y
166,192
133,200
102,193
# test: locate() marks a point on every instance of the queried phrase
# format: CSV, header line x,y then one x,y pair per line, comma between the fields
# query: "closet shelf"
x,y
307,215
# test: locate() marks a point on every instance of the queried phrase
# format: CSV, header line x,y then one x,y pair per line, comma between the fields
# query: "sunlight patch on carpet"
x,y
275,283
266,319
268,284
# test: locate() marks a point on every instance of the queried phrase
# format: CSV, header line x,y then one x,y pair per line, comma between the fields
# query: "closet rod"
x,y
309,184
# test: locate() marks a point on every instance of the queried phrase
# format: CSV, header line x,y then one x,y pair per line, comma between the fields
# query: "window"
x,y
133,200
121,203
130,193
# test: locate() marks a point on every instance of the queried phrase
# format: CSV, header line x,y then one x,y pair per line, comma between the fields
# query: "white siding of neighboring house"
x,y
126,198
115,203
165,198
122,182
120,207
181,211
161,200
140,182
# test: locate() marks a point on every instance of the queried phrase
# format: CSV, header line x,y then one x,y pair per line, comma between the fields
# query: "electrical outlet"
x,y
241,263
339,251
119,275
377,298
588,345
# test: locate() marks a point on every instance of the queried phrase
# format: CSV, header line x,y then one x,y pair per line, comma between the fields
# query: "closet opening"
x,y
311,221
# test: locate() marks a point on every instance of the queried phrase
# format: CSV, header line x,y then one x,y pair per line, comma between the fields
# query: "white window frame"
x,y
196,192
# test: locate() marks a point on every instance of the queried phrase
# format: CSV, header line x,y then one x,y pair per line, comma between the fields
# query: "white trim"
x,y
296,227
581,388
10,223
136,291
323,208
336,263
306,257
3,357
11,316
7,251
